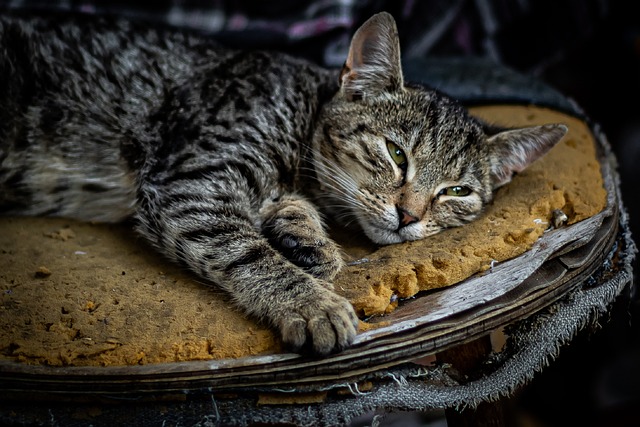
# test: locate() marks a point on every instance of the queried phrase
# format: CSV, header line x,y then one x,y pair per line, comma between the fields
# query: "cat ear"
x,y
514,150
373,63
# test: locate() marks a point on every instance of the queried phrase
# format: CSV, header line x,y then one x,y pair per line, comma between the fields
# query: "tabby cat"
x,y
229,161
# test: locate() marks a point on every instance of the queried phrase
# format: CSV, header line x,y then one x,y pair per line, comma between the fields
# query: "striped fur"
x,y
226,160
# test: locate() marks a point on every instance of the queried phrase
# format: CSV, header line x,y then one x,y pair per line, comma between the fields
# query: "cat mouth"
x,y
386,236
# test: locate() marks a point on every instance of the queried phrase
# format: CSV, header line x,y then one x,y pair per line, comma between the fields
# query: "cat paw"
x,y
295,230
322,324
319,257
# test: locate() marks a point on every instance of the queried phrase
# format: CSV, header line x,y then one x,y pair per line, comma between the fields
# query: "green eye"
x,y
456,191
397,155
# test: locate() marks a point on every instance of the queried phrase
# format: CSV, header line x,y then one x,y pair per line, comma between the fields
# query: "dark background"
x,y
596,380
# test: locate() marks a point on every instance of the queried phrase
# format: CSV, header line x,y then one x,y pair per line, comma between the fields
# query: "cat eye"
x,y
397,155
455,191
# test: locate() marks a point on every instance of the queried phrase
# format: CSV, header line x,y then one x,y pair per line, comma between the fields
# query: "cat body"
x,y
228,160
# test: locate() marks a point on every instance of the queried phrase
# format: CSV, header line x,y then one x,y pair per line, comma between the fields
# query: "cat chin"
x,y
379,235
383,236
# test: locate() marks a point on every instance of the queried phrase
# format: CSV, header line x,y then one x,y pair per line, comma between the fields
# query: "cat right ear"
x,y
373,63
514,150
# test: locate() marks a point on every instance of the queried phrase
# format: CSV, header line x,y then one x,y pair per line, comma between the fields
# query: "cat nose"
x,y
405,217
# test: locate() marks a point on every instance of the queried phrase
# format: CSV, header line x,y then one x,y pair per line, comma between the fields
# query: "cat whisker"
x,y
342,182
341,212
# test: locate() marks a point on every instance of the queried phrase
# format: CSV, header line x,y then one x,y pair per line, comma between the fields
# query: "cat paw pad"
x,y
320,258
297,233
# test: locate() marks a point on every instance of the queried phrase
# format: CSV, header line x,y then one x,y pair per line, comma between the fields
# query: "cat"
x,y
229,162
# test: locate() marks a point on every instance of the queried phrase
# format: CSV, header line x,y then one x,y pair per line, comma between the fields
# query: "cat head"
x,y
404,161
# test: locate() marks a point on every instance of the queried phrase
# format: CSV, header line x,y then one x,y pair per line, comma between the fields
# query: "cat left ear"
x,y
514,150
373,63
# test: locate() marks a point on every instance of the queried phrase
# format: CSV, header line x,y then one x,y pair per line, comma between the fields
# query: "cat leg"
x,y
294,227
217,239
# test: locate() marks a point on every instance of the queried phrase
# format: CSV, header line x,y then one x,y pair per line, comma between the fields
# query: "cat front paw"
x,y
323,323
293,227
317,256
